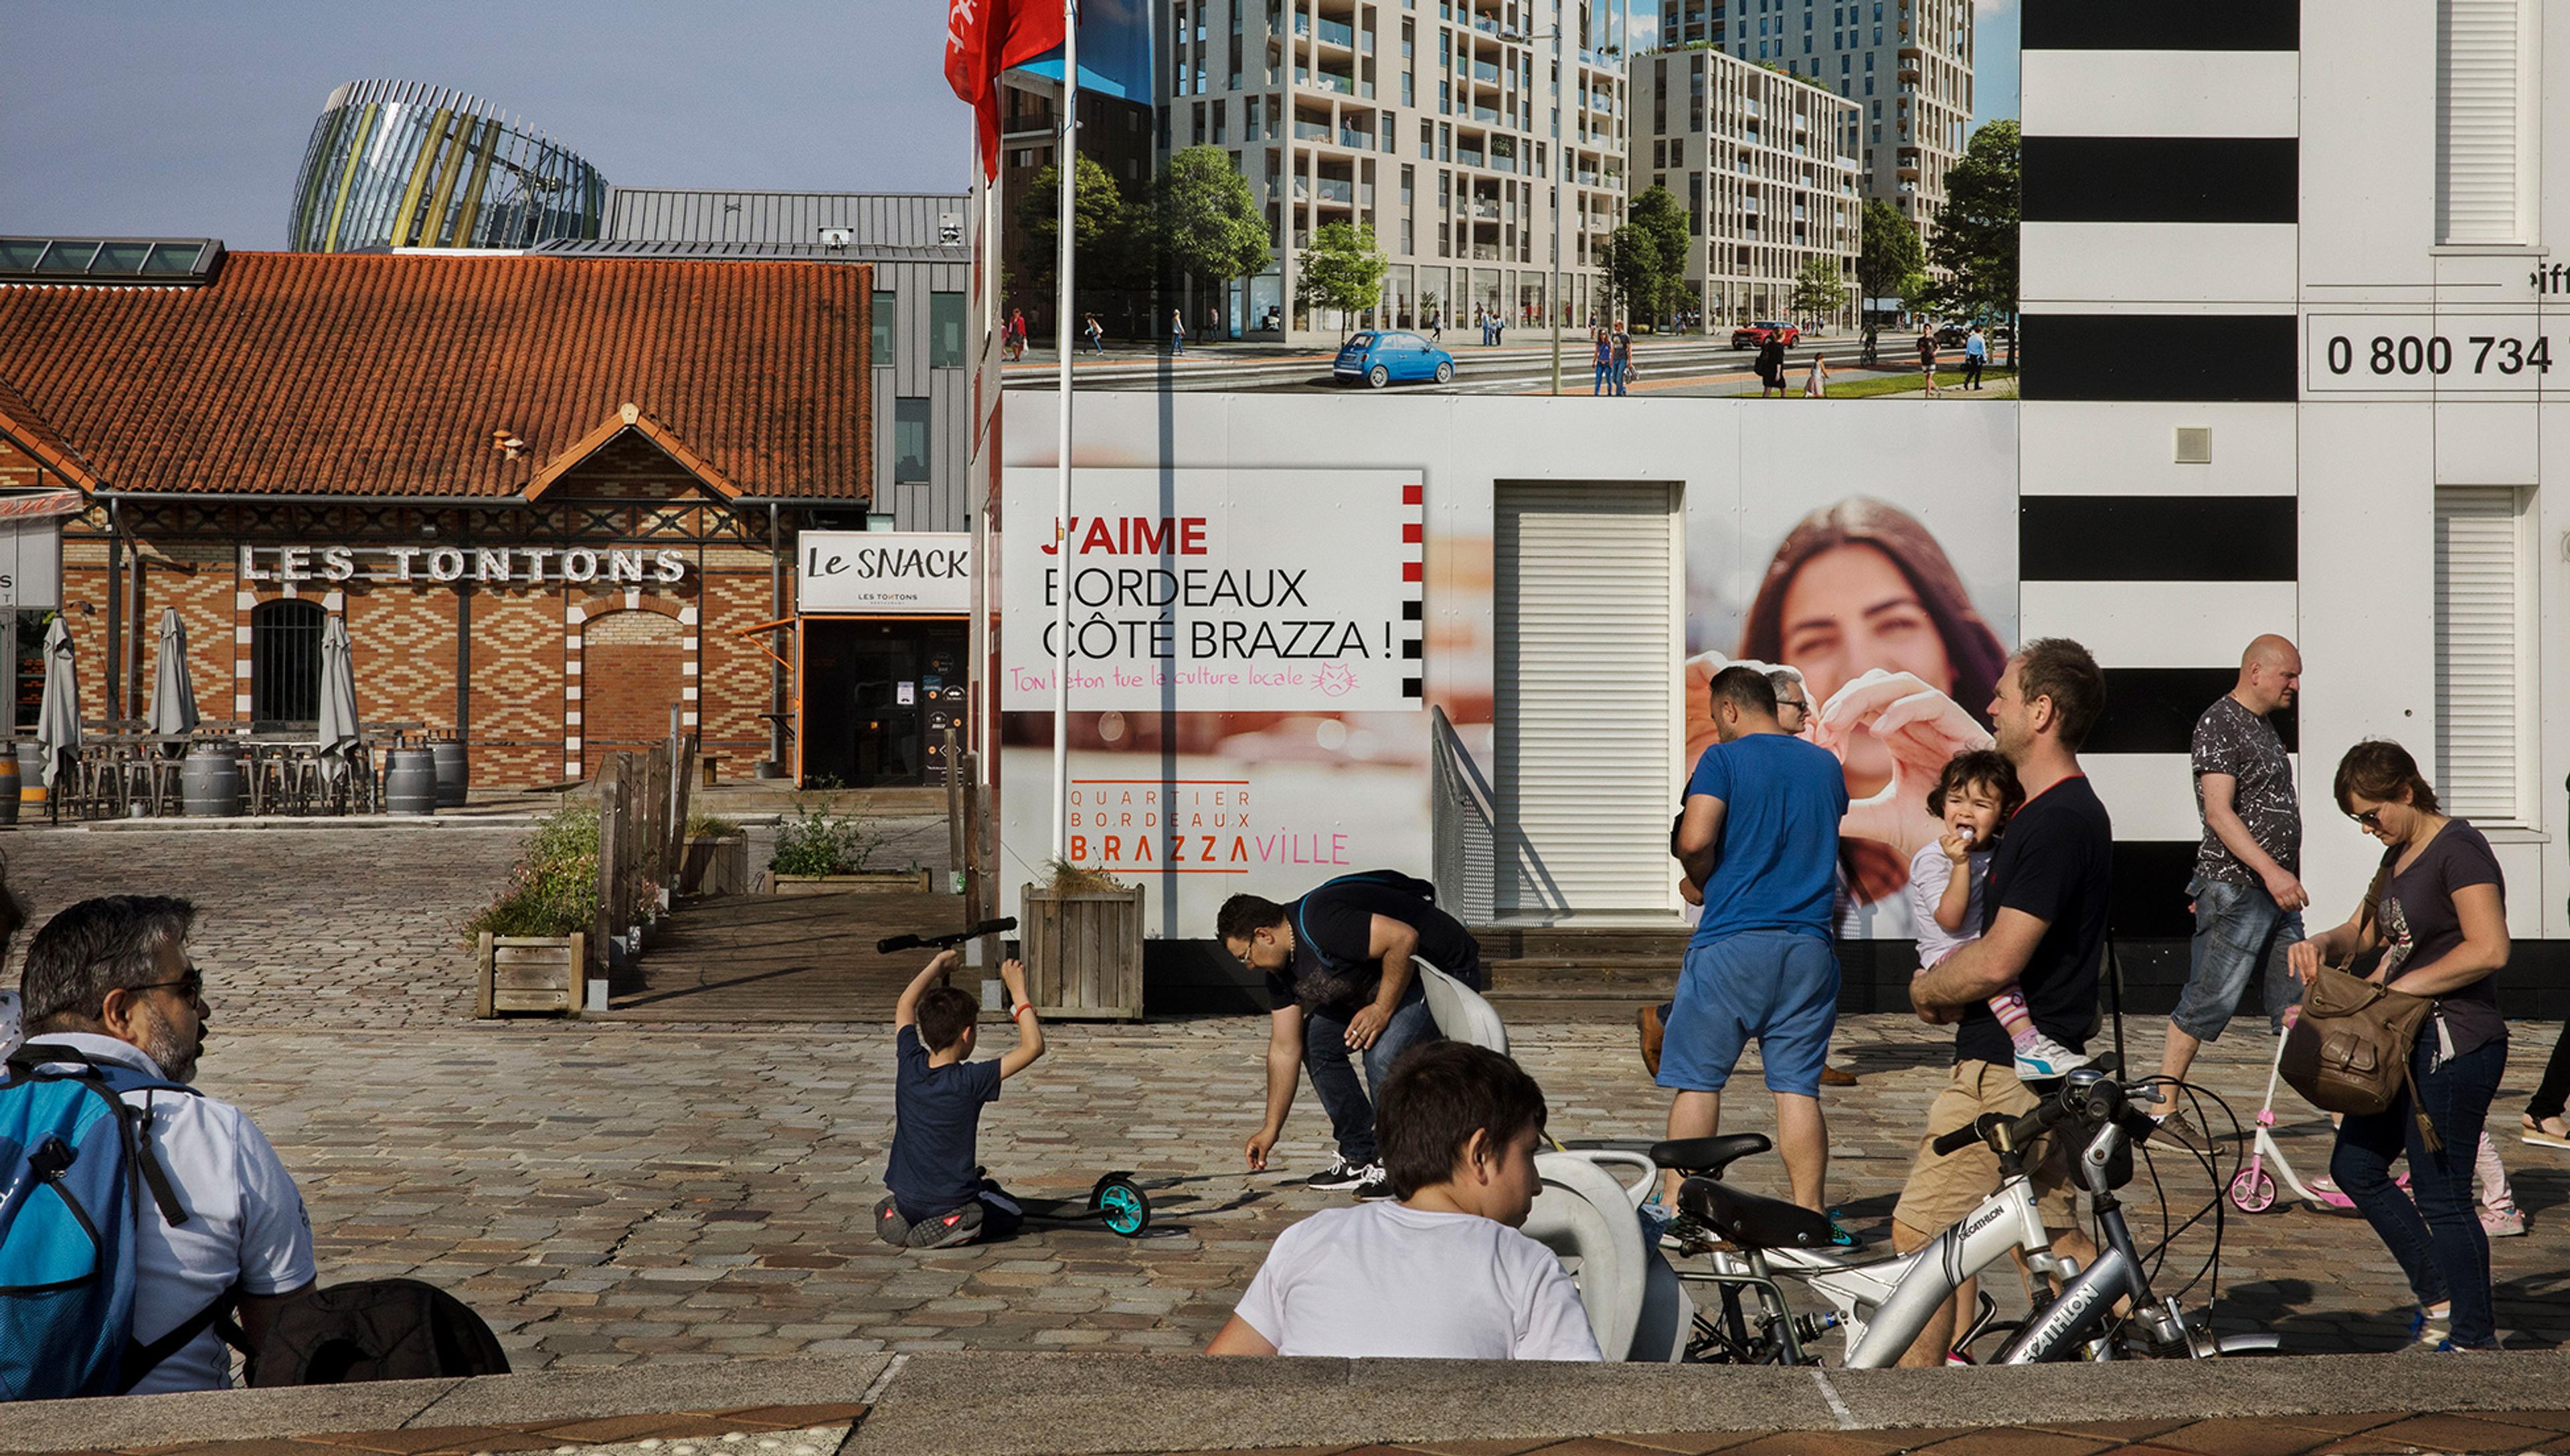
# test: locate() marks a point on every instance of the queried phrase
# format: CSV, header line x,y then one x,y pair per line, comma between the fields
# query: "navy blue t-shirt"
x,y
937,1113
1778,862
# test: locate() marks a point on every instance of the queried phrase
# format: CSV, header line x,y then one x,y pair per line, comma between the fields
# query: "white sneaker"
x,y
1375,1184
2044,1059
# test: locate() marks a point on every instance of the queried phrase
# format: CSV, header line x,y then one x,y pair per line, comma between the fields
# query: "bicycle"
x,y
1884,1303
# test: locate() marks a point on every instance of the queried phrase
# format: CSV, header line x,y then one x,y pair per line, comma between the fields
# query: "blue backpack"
x,y
76,1161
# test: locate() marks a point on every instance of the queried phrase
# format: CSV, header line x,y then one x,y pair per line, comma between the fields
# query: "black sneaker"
x,y
890,1226
962,1226
1377,1184
1337,1177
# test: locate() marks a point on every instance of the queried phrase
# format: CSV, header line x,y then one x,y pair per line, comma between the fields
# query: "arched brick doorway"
x,y
631,669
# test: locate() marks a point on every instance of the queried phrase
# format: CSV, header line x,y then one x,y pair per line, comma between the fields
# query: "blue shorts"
x,y
1778,986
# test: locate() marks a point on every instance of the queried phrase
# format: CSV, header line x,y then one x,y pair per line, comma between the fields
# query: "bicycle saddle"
x,y
1708,1155
1753,1219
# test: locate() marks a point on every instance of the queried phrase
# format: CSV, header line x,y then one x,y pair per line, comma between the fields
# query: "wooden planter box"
x,y
543,973
842,883
1084,952
718,865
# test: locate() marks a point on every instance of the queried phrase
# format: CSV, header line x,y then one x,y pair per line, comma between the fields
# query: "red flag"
x,y
987,37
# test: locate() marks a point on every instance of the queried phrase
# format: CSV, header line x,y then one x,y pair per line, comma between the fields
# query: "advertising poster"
x,y
1246,651
1889,547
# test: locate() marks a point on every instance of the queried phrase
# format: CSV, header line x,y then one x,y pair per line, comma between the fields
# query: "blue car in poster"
x,y
1380,356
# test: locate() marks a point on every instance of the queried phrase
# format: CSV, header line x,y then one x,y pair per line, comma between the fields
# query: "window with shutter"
x,y
2483,121
2484,648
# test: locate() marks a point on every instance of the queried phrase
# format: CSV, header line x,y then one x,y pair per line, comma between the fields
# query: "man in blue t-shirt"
x,y
1760,839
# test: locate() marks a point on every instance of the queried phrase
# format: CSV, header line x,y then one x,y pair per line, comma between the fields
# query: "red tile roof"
x,y
388,375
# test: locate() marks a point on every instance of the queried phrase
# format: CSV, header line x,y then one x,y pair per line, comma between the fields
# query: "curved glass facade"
x,y
393,164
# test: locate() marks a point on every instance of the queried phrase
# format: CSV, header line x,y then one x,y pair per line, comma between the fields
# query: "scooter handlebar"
x,y
891,943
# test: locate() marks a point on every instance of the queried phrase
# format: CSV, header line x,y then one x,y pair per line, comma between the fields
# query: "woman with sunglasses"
x,y
2435,920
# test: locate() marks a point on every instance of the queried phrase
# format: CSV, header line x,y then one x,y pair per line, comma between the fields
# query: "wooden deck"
x,y
769,958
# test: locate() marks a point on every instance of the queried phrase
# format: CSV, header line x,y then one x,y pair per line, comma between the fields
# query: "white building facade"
x,y
1761,161
1484,140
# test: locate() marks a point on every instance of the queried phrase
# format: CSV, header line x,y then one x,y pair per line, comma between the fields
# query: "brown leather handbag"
x,y
2349,1049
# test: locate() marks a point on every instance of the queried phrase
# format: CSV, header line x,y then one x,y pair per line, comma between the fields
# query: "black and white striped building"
x,y
2284,313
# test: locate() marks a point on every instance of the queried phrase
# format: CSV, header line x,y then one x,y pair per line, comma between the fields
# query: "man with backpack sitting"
x,y
196,1219
1339,979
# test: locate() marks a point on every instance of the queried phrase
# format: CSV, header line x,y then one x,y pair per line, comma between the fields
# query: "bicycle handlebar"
x,y
2004,1133
891,943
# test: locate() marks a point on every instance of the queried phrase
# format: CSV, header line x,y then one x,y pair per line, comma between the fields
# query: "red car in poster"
x,y
1751,337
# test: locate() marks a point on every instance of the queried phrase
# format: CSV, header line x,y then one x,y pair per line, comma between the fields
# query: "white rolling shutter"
x,y
2485,686
1588,668
2481,113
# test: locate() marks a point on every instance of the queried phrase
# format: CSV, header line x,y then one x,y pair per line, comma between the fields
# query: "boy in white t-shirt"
x,y
1440,1271
1976,796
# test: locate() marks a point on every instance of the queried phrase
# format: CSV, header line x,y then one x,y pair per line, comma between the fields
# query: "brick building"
x,y
548,496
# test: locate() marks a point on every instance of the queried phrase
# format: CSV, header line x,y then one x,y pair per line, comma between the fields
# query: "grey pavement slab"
x,y
564,1394
169,1420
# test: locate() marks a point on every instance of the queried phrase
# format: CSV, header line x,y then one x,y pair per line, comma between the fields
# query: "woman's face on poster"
x,y
1848,611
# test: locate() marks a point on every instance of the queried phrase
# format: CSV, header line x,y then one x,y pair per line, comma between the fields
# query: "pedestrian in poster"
x,y
1014,337
1435,327
1602,345
1927,356
1177,332
1623,355
1976,353
1816,380
1771,367
1097,335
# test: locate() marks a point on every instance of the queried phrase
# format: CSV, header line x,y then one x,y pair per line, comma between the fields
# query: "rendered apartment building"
x,y
1907,63
1762,163
1455,127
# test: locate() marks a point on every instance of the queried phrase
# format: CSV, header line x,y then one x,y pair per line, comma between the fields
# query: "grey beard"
x,y
174,1054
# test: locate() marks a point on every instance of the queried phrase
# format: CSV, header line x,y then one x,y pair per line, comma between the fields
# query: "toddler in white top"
x,y
1440,1271
1949,882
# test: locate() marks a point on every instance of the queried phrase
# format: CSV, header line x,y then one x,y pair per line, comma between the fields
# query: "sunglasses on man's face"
x,y
191,986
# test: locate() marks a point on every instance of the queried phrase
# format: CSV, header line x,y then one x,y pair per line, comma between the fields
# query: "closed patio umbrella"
x,y
58,725
174,696
337,733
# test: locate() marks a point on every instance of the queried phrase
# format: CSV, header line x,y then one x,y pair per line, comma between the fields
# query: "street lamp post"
x,y
1554,299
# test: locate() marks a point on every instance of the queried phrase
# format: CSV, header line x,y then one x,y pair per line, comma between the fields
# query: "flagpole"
x,y
1067,155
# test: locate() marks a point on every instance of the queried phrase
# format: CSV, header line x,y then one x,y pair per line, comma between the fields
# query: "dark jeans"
x,y
1325,1059
2438,1240
2553,1092
1972,372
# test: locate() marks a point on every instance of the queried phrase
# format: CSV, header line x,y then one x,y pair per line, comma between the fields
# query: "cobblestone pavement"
x,y
330,928
613,1195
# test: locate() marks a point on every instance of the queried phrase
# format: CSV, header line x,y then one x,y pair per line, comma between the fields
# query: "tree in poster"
x,y
1889,252
1101,230
1975,242
1204,223
1819,291
1342,268
1656,254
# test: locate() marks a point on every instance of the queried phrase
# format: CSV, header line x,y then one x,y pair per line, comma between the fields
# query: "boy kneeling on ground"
x,y
1442,1272
938,1196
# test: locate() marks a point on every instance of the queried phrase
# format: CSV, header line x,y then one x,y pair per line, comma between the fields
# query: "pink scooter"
x,y
2253,1191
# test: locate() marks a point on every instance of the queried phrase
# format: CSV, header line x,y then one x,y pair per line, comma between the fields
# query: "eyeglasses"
x,y
191,986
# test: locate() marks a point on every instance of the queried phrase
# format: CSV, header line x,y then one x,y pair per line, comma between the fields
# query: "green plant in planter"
x,y
702,825
815,841
552,889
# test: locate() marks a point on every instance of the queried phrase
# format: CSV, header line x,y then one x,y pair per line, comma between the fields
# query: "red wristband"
x,y
1023,1006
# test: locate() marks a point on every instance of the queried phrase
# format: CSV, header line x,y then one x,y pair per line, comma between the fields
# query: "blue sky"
x,y
136,118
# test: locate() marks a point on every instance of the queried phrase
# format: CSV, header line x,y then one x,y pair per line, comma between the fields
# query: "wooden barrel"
x,y
8,788
452,773
31,775
410,781
210,782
